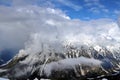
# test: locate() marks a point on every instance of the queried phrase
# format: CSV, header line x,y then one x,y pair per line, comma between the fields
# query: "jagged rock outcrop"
x,y
75,64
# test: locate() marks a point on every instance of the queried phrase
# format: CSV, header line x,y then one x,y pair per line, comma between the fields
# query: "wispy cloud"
x,y
71,5
94,10
117,12
105,10
117,3
91,0
95,6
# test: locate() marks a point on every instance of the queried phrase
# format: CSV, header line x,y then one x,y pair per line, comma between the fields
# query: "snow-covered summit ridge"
x,y
53,39
81,61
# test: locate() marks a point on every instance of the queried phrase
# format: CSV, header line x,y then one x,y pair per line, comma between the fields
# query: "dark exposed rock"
x,y
109,67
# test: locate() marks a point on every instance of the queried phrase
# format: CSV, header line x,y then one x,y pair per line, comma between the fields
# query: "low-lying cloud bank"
x,y
33,26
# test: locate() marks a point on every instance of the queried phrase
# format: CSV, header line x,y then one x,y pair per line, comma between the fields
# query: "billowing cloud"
x,y
41,29
18,24
21,22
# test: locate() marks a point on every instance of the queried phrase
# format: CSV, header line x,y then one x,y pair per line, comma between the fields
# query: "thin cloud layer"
x,y
71,5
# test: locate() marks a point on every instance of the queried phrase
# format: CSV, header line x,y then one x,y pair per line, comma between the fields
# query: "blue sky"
x,y
26,17
80,9
90,9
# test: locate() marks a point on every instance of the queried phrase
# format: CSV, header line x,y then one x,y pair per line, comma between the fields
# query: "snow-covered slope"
x,y
76,62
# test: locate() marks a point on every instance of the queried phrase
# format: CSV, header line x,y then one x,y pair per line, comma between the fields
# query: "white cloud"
x,y
32,25
117,12
70,4
95,6
91,0
50,25
105,10
94,10
69,64
21,22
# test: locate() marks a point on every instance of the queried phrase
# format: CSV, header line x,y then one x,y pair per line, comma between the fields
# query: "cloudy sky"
x,y
25,24
82,9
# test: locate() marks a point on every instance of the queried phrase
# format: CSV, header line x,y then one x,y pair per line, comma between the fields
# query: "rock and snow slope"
x,y
57,46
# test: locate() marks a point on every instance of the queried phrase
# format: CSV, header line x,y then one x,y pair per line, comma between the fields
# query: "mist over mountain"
x,y
37,41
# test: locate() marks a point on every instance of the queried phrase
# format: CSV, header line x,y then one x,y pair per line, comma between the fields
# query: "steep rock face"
x,y
75,63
